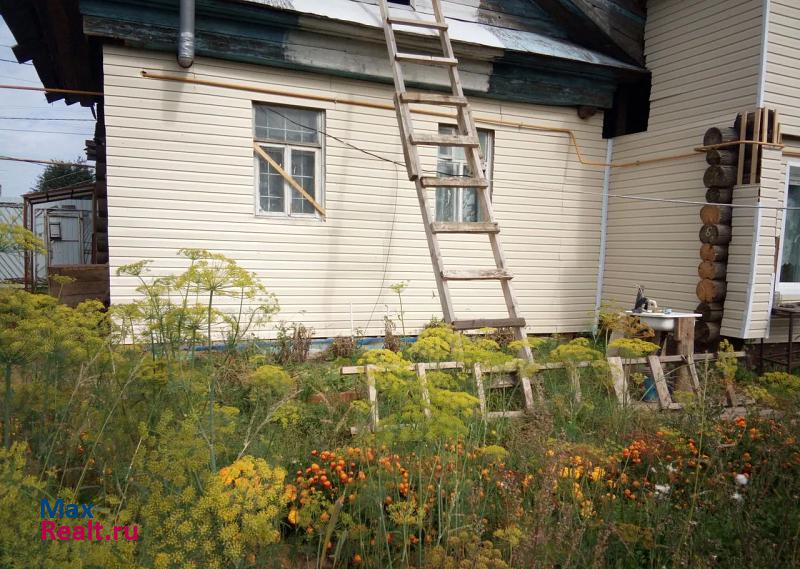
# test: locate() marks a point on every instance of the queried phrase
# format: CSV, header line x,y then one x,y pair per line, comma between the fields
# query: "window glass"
x,y
270,183
286,124
303,171
460,204
292,138
790,259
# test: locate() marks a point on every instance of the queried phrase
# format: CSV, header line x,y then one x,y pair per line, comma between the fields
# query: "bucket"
x,y
650,393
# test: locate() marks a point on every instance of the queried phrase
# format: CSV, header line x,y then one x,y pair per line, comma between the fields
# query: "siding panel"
x,y
704,58
181,174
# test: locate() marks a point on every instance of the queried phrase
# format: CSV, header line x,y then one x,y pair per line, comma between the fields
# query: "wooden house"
x,y
590,116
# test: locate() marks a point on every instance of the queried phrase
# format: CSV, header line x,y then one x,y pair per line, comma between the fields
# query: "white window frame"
x,y
791,289
488,163
287,148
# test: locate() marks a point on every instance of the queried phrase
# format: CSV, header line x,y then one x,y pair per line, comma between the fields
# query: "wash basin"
x,y
662,321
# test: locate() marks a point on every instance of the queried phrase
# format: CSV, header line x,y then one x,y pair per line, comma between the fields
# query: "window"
x,y
291,137
460,204
790,248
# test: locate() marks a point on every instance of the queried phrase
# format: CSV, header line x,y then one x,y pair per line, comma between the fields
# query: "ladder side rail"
x,y
404,115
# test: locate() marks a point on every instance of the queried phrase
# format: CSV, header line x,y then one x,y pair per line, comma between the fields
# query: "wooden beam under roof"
x,y
613,27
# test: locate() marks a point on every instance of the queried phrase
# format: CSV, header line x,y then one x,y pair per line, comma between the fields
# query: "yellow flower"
x,y
293,516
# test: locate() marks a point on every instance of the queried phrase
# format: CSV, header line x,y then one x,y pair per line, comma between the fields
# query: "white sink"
x,y
661,321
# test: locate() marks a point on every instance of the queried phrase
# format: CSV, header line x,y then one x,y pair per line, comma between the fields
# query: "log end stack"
x,y
719,178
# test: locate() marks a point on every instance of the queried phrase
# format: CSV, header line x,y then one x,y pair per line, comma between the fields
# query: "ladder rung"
x,y
505,414
433,99
503,383
426,59
445,140
453,182
488,323
432,24
467,227
477,275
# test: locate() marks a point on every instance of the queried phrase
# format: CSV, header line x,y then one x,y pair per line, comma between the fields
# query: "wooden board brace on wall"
x,y
289,180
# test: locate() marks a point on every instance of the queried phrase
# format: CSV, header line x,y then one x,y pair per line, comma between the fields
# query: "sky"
x,y
28,125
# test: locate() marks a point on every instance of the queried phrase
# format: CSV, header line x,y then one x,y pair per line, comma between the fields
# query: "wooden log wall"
x,y
733,155
720,177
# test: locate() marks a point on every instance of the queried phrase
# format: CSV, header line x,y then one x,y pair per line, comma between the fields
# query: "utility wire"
x,y
597,194
358,148
45,162
51,180
46,131
17,62
44,119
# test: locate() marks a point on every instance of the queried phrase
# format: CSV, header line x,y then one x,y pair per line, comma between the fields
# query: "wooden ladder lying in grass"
x,y
466,138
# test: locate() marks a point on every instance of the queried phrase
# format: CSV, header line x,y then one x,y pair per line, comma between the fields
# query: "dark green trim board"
x,y
257,34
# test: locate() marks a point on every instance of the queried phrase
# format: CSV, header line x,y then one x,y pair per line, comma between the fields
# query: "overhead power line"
x,y
44,119
46,131
17,62
45,162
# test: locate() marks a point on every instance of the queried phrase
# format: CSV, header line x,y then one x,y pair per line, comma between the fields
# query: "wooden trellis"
x,y
615,363
621,388
521,379
372,391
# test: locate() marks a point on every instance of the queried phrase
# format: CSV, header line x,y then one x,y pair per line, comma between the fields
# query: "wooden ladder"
x,y
467,138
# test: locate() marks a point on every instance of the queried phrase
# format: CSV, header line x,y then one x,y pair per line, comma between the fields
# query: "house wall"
x,y
778,330
181,174
782,78
705,59
781,88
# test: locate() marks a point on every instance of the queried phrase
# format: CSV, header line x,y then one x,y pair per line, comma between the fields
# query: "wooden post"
x,y
481,391
373,397
423,382
684,336
575,382
620,382
664,399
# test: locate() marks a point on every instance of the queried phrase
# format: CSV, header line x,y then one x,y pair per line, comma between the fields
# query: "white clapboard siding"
x,y
782,81
778,327
181,174
740,261
704,58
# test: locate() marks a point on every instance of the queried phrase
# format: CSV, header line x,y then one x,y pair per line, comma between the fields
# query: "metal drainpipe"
x,y
603,232
186,34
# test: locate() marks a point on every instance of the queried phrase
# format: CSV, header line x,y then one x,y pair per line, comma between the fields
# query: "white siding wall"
x,y
782,81
778,327
782,92
740,261
705,59
180,174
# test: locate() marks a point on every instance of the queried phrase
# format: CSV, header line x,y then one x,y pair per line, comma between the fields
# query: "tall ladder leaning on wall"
x,y
466,138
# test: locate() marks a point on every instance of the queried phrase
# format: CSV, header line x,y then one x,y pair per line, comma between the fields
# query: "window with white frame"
x,y
291,137
461,204
790,248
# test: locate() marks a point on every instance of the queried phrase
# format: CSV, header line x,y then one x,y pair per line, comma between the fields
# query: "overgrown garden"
x,y
223,451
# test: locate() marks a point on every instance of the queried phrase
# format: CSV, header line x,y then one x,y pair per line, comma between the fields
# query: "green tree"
x,y
62,174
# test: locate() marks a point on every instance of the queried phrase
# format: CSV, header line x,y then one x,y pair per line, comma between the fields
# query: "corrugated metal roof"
x,y
464,28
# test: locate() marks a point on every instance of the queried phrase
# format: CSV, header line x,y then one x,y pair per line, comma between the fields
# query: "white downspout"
x,y
603,231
